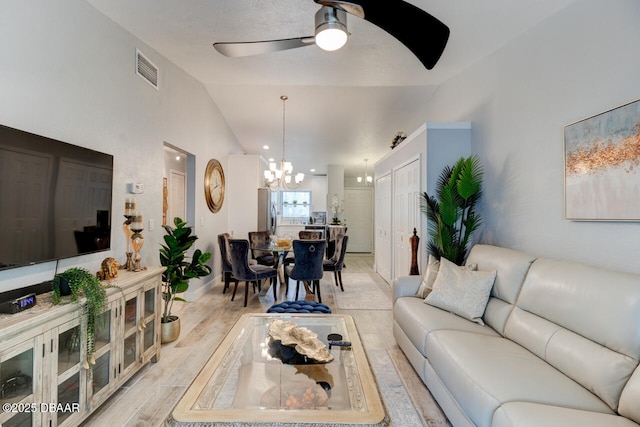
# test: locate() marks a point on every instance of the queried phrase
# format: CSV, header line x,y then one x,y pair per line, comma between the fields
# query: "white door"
x,y
358,214
177,196
406,214
383,248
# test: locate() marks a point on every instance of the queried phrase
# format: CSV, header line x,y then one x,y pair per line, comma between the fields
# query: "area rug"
x,y
398,403
360,293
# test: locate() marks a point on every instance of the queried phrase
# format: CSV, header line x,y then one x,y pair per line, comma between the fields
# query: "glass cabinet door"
x,y
131,315
149,338
100,377
17,383
70,372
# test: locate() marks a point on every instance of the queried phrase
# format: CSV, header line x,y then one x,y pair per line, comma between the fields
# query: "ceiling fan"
x,y
419,31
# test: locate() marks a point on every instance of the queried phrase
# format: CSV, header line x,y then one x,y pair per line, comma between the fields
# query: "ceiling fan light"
x,y
331,28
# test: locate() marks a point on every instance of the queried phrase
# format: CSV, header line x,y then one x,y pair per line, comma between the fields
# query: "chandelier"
x,y
368,179
281,178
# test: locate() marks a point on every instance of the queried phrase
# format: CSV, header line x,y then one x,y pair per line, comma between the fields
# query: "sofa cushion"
x,y
526,414
594,366
418,320
482,372
461,291
511,268
630,397
583,320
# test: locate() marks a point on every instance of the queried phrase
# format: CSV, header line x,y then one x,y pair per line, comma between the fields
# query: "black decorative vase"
x,y
65,289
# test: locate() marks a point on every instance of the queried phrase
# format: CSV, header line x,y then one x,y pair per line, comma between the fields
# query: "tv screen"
x,y
55,199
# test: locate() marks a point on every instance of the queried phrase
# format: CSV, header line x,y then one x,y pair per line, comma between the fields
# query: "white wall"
x,y
67,72
576,64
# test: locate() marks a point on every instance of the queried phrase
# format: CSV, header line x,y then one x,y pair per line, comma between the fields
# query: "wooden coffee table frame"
x,y
188,413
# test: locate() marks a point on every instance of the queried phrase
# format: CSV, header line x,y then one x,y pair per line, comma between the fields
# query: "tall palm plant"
x,y
451,212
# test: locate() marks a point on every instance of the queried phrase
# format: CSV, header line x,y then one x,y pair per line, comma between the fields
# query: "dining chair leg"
x,y
297,289
340,277
274,284
335,276
235,288
316,287
246,293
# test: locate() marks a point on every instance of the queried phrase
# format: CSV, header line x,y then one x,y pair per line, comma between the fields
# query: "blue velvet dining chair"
x,y
227,271
308,256
243,272
261,239
336,262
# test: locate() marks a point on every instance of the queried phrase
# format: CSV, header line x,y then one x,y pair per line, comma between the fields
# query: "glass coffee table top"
x,y
244,381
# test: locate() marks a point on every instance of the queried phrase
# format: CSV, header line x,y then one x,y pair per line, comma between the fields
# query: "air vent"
x,y
146,69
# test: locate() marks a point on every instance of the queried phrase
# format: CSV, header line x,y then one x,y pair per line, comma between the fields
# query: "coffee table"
x,y
243,383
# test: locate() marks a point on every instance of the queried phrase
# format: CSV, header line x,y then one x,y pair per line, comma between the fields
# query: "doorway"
x,y
358,214
176,186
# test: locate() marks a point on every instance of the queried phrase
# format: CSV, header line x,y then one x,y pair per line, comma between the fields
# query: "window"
x,y
296,204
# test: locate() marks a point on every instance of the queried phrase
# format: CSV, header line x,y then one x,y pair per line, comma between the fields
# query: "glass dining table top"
x,y
245,381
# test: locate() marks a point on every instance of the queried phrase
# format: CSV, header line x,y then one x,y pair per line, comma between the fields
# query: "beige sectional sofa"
x,y
560,345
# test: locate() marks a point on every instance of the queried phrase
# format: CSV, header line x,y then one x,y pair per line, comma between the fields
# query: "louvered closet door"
x,y
406,214
383,227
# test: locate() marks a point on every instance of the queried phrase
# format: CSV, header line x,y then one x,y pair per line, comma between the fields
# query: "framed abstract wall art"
x,y
602,166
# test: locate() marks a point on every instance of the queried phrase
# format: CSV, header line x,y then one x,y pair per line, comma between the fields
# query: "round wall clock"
x,y
214,185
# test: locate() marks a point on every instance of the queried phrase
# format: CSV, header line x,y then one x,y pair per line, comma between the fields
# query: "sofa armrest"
x,y
405,286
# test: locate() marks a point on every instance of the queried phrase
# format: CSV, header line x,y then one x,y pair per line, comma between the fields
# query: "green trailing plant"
x,y
451,215
179,269
82,283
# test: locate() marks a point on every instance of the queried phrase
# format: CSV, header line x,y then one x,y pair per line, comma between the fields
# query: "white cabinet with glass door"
x,y
41,376
43,350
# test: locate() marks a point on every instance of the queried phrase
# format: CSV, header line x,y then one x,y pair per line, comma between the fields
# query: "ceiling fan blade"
x,y
238,49
349,7
420,32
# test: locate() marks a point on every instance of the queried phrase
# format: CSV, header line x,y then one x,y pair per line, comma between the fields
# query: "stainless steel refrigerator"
x,y
267,210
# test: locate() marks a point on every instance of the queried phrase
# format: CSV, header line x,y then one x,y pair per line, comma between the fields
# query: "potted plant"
x,y
179,270
337,207
451,211
78,282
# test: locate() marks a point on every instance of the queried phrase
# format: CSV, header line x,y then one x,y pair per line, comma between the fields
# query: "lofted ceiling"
x,y
343,106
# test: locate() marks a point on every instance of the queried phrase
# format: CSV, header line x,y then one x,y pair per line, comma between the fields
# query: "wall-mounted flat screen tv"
x,y
55,199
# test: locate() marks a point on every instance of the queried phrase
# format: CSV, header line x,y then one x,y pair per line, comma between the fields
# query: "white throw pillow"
x,y
461,291
429,277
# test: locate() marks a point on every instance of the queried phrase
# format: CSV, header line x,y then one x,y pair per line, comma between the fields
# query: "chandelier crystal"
x,y
368,179
281,178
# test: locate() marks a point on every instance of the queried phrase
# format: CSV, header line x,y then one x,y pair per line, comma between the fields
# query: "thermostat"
x,y
135,188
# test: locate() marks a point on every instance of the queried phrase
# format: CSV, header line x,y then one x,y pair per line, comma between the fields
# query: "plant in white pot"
x,y
179,270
